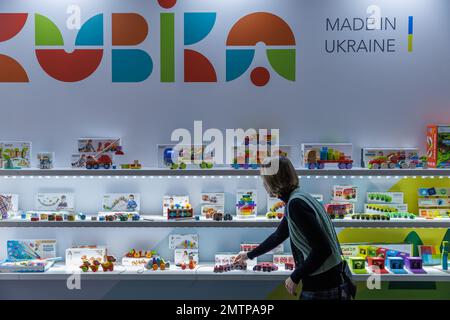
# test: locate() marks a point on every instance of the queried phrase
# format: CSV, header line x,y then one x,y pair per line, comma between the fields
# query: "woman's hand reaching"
x,y
291,286
240,259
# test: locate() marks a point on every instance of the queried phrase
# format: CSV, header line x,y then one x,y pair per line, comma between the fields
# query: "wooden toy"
x,y
229,267
357,265
243,157
336,210
370,216
265,267
414,265
177,211
135,165
317,156
377,265
395,265
246,204
392,158
45,160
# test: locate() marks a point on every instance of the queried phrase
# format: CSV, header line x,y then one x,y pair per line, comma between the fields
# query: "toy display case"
x,y
414,265
391,158
357,265
321,156
395,265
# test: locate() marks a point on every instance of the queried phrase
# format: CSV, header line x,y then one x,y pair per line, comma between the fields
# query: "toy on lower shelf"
x,y
177,211
414,265
377,265
135,165
357,265
156,263
370,216
229,267
95,265
396,265
265,267
26,266
336,210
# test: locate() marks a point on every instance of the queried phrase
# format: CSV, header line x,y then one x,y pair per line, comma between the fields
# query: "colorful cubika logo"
x,y
10,69
128,65
269,29
132,64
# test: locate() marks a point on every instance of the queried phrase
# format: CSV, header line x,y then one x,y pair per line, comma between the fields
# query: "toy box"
x,y
247,247
9,205
385,208
385,197
282,259
24,249
95,153
345,193
226,258
184,256
183,241
26,266
45,160
55,202
246,206
357,265
431,255
95,145
15,154
390,158
119,202
321,155
76,256
211,203
135,258
185,156
169,201
438,146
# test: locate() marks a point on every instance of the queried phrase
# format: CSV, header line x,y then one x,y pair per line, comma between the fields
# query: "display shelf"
x,y
148,221
205,272
159,221
221,171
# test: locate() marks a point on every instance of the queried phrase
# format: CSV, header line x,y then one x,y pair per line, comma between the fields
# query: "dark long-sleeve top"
x,y
305,219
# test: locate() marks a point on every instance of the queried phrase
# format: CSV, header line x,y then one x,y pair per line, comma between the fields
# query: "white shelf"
x,y
205,272
158,221
222,171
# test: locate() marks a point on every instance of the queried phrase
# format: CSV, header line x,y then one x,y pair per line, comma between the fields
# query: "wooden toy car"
x,y
218,216
180,212
227,217
274,215
229,267
265,267
318,158
135,165
336,211
103,160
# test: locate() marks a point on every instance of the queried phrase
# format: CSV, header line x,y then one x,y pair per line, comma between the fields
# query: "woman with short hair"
x,y
315,247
